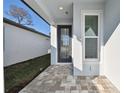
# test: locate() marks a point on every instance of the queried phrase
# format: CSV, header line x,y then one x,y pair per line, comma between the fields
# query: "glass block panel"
x,y
91,25
90,47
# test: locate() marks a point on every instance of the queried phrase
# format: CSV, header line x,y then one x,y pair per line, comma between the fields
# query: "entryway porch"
x,y
59,79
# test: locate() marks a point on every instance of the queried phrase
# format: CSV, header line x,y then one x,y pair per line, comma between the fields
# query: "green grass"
x,y
18,75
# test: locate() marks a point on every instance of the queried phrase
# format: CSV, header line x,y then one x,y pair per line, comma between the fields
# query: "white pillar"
x,y
53,45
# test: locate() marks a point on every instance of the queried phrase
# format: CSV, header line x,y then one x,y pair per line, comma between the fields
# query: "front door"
x,y
64,43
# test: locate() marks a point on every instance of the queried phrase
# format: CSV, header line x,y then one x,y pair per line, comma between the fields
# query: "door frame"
x,y
99,13
58,43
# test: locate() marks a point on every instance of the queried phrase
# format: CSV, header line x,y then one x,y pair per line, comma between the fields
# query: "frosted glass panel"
x,y
91,48
91,25
65,48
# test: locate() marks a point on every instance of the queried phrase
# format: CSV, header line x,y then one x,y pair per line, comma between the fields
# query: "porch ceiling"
x,y
49,9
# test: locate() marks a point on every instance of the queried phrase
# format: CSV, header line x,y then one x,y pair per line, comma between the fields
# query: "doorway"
x,y
64,36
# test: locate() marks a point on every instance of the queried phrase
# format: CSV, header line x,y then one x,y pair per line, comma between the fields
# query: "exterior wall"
x,y
21,45
107,50
53,45
112,58
111,17
77,42
64,21
111,41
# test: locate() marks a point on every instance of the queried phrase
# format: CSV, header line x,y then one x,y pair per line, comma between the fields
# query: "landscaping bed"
x,y
17,76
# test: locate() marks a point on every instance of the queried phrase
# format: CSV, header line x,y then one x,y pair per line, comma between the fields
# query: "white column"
x,y
53,45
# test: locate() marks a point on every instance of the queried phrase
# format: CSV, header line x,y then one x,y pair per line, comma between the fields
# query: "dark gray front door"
x,y
64,43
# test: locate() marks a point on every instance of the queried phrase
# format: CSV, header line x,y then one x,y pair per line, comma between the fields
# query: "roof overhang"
x,y
40,9
49,9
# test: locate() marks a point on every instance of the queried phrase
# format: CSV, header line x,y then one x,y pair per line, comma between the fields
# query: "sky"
x,y
38,23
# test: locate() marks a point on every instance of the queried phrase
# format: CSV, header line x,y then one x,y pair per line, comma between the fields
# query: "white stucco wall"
x,y
111,41
112,58
21,45
53,45
77,52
